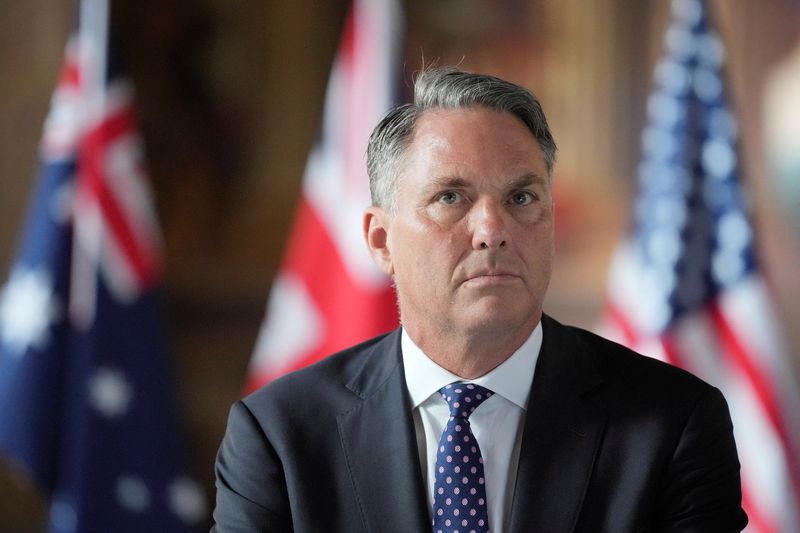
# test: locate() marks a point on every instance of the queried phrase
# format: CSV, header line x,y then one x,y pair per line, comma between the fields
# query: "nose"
x,y
489,226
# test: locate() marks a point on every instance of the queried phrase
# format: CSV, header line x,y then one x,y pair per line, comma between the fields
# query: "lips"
x,y
491,277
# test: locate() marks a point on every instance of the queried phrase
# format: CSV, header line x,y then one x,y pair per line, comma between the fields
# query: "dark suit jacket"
x,y
613,441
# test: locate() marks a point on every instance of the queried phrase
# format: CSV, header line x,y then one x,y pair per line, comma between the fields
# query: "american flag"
x,y
685,285
85,401
329,294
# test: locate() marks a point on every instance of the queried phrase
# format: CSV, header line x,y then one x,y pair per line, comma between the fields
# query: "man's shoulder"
x,y
617,355
330,379
630,372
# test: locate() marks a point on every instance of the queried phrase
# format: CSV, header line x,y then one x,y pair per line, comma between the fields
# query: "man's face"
x,y
470,243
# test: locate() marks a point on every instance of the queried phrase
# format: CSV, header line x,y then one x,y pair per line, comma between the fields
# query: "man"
x,y
480,413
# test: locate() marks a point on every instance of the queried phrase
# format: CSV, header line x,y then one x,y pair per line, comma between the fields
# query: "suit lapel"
x,y
561,436
380,445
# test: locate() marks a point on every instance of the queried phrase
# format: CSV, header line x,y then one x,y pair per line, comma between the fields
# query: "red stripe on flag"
x,y
142,258
632,338
757,379
671,354
347,48
760,384
757,522
70,75
351,312
617,317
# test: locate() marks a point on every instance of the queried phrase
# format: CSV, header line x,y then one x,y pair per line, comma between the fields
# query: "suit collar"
x,y
511,379
379,364
561,436
380,444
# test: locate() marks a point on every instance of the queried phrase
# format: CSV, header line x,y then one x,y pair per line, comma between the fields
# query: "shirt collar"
x,y
511,379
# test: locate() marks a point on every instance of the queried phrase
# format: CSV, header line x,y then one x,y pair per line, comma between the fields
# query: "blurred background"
x,y
229,100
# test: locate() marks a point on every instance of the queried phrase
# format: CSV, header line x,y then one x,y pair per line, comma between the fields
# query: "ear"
x,y
376,234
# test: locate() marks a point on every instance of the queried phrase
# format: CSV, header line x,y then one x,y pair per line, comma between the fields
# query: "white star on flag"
x,y
27,308
110,392
186,499
133,494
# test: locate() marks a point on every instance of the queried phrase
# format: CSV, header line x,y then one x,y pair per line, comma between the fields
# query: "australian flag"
x,y
85,401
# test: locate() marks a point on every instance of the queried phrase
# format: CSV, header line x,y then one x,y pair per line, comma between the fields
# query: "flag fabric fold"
x,y
328,293
685,285
85,388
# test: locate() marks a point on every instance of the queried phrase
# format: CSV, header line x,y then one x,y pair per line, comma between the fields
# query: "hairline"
x,y
430,96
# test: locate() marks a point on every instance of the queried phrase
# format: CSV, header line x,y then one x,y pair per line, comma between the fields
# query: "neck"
x,y
470,355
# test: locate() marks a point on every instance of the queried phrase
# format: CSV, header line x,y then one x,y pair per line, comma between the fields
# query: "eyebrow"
x,y
447,182
457,182
526,180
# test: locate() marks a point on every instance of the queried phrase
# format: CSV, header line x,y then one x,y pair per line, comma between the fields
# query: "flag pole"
x,y
93,58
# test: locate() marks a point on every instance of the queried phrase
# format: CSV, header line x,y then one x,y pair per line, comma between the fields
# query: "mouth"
x,y
491,278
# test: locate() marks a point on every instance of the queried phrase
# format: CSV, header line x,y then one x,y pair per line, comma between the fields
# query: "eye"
x,y
449,197
522,198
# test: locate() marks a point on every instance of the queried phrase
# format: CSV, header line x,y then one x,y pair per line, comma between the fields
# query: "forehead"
x,y
473,141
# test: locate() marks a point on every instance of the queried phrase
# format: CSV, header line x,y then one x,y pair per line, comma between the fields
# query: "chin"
x,y
498,319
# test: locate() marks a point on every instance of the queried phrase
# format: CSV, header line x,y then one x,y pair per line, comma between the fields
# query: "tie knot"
x,y
464,398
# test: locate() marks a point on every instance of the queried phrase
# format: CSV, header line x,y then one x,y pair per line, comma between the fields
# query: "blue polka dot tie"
x,y
459,492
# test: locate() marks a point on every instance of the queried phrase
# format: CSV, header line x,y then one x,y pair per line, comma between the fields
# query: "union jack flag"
x,y
85,403
329,294
685,285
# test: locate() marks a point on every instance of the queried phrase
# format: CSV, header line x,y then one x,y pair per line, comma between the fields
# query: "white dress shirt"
x,y
497,423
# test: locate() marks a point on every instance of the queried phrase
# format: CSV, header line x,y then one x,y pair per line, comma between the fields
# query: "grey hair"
x,y
447,88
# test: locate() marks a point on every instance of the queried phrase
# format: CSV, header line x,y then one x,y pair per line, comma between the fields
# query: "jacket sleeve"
x,y
251,487
702,488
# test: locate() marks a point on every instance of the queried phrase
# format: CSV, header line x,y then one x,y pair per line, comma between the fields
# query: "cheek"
x,y
443,216
539,247
406,254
